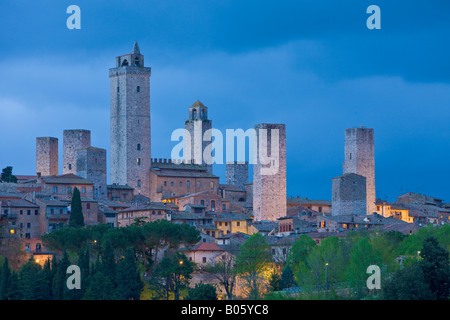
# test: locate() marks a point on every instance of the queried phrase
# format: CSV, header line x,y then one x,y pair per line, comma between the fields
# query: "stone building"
x,y
195,139
349,195
91,165
46,156
269,172
74,140
236,174
170,180
360,159
130,152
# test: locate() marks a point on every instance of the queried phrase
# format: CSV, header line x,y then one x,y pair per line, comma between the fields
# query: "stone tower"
x,y
360,159
349,195
130,153
196,126
236,174
269,172
74,140
91,165
47,156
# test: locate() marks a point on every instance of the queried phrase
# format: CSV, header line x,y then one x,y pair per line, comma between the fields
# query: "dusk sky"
x,y
313,65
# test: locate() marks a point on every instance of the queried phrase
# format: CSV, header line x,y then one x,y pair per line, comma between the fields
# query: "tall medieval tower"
x,y
47,156
130,122
269,172
360,159
74,140
196,141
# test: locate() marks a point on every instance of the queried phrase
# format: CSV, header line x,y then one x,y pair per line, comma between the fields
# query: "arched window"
x,y
194,114
125,63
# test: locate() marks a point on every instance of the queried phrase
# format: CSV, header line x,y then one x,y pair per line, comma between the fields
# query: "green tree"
x,y
29,284
76,218
7,175
59,285
100,287
252,261
407,284
202,291
436,268
287,278
46,281
175,269
129,283
5,279
299,252
362,256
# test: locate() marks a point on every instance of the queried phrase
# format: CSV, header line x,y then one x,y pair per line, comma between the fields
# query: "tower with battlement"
x,y
195,139
360,159
130,152
47,156
74,140
269,172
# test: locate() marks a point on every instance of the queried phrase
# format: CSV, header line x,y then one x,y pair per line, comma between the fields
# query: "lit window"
x,y
138,160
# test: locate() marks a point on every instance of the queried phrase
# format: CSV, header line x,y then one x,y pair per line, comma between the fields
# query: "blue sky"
x,y
312,65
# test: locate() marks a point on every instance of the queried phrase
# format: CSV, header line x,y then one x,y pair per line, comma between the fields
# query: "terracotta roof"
x,y
18,203
205,246
69,178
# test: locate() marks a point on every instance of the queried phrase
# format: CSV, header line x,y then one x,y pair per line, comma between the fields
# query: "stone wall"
x,y
91,165
236,174
349,195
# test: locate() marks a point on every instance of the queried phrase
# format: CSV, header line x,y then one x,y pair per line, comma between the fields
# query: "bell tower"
x,y
130,154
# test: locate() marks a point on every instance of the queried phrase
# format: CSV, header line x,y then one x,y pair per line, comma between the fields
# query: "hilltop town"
x,y
226,213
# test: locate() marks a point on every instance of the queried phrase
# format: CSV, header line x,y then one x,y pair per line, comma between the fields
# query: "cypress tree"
x,y
59,286
76,218
129,283
5,280
29,284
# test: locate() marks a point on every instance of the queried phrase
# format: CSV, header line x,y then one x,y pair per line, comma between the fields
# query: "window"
x,y
224,207
181,183
194,114
27,236
138,147
36,212
320,209
139,183
138,160
69,190
202,202
118,89
52,211
153,212
171,183
212,185
188,184
204,260
27,247
96,160
213,205
165,183
38,247
28,225
28,212
21,211
238,223
55,189
88,205
83,190
138,89
60,211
